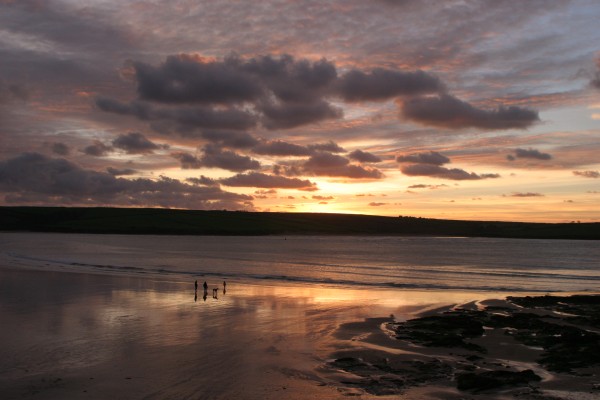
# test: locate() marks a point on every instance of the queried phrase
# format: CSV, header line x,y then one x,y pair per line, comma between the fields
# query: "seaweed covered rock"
x,y
448,330
385,377
494,379
577,309
566,347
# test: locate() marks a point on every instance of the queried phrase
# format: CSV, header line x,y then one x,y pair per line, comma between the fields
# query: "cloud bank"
x,y
32,178
449,112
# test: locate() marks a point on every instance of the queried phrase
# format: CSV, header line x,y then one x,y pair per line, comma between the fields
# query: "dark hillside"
x,y
188,222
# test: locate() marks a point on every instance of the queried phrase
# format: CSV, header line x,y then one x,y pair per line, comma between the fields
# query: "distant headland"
x,y
158,221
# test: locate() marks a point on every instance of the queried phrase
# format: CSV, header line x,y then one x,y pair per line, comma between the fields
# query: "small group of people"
x,y
215,291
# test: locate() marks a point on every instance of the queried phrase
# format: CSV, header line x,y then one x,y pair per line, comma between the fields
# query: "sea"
x,y
420,263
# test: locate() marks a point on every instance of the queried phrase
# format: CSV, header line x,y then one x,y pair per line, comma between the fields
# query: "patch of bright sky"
x,y
570,119
24,41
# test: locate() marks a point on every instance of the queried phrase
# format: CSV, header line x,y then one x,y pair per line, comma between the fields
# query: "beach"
x,y
98,336
117,316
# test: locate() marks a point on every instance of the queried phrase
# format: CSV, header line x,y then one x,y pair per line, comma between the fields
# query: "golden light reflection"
x,y
318,295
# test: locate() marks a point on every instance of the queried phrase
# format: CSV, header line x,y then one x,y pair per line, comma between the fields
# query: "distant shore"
x,y
141,221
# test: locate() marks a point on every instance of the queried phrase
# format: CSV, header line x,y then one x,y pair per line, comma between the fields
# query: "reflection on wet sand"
x,y
144,338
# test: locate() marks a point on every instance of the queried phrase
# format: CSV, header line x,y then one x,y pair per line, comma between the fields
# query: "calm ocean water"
x,y
477,264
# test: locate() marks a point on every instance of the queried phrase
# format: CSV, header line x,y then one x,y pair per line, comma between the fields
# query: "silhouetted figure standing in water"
x,y
224,287
215,293
205,286
196,286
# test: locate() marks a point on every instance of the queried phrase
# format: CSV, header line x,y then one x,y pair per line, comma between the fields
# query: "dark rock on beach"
x,y
494,343
449,330
566,346
494,379
388,377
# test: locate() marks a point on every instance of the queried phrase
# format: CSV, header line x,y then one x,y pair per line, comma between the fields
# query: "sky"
x,y
476,110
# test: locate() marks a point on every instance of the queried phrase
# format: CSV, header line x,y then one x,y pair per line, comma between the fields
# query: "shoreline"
x,y
100,335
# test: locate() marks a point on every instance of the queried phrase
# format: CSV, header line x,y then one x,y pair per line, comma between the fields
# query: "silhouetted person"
x,y
205,286
205,295
196,286
215,293
224,287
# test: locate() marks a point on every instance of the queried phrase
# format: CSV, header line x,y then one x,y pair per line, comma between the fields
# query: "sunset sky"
x,y
479,110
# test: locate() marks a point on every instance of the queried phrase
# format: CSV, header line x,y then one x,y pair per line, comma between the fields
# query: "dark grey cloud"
x,y
190,79
281,148
193,117
456,174
291,115
287,92
284,91
531,153
215,157
260,180
236,140
325,160
121,171
330,146
383,84
60,148
431,157
449,112
98,149
364,157
587,174
186,79
187,160
291,80
203,180
136,143
287,170
32,178
333,165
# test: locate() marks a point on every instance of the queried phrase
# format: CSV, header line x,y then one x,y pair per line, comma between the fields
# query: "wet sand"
x,y
94,336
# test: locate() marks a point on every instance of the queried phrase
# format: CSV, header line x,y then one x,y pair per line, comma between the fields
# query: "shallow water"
x,y
476,264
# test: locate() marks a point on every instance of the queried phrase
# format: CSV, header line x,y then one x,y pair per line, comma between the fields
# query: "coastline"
x,y
155,221
79,335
